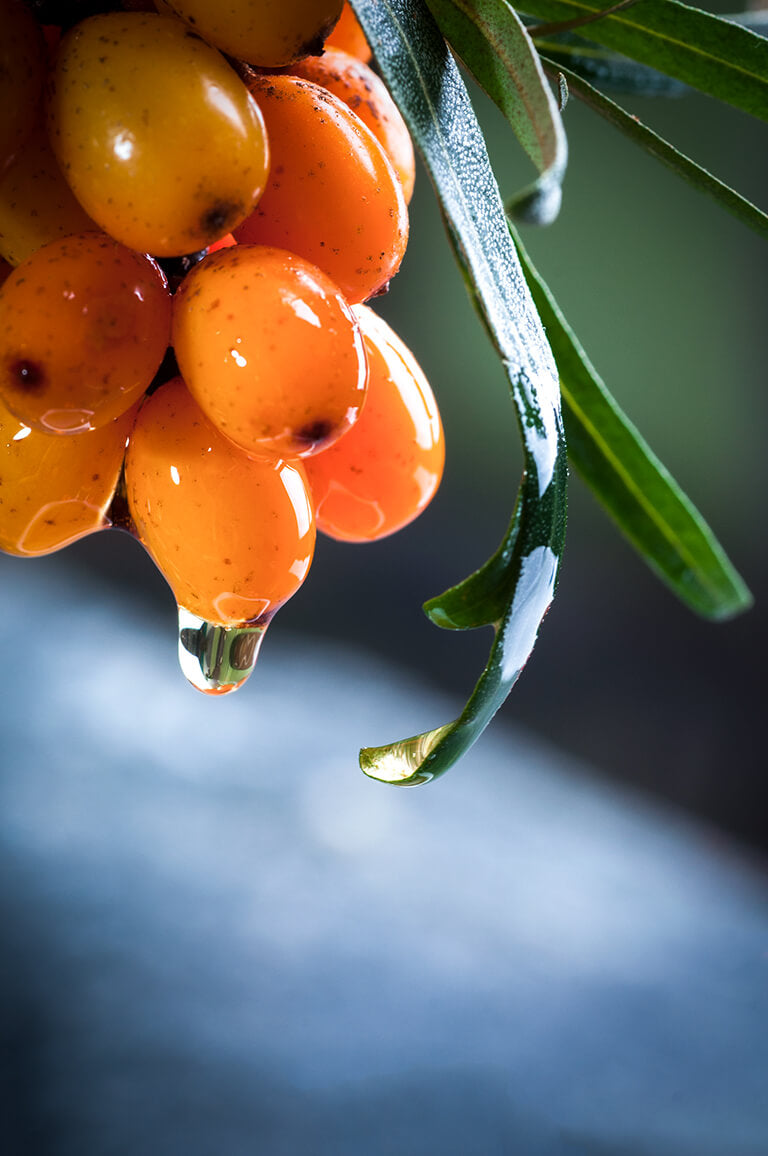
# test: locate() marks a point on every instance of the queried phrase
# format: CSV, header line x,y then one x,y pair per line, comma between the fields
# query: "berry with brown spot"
x,y
270,349
158,137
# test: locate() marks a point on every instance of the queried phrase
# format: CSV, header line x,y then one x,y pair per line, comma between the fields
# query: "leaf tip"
x,y
438,616
740,602
537,205
403,763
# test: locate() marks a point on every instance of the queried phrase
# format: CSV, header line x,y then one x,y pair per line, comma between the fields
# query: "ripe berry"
x,y
383,473
36,203
156,134
270,350
56,490
234,537
349,36
84,324
270,33
332,196
362,91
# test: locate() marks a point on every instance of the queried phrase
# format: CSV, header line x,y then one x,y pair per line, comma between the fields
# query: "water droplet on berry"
x,y
217,659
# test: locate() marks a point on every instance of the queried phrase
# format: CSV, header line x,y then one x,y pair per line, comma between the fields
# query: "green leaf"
x,y
514,590
492,41
714,55
629,480
663,151
608,70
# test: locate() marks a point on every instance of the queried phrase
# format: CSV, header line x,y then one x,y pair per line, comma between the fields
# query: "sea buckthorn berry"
x,y
270,33
233,536
380,476
362,91
157,135
84,324
56,490
36,203
349,36
332,196
22,73
270,349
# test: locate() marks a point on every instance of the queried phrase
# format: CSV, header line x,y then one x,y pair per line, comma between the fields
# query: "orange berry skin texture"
x,y
332,196
22,74
385,471
270,350
349,36
84,325
56,490
36,203
233,536
156,134
269,33
366,94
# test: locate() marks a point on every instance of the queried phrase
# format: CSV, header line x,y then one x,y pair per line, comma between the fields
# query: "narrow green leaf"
x,y
663,151
610,71
629,480
492,41
513,591
714,55
578,22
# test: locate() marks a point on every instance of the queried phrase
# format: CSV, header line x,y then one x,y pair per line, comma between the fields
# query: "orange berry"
x,y
367,95
157,135
233,536
332,196
270,33
22,73
270,350
36,203
383,473
349,36
56,490
84,325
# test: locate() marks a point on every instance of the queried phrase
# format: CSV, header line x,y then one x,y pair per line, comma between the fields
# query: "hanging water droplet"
x,y
217,659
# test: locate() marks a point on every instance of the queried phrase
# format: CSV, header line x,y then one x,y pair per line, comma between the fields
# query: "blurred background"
x,y
220,939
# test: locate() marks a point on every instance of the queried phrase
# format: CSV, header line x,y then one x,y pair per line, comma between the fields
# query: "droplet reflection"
x,y
217,659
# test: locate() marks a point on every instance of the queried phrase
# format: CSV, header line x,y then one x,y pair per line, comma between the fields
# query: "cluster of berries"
x,y
195,202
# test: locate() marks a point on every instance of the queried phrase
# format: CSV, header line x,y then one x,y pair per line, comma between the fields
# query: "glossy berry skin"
x,y
156,134
22,73
84,325
332,196
270,350
349,36
385,471
269,33
56,490
36,203
362,91
234,537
